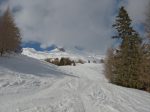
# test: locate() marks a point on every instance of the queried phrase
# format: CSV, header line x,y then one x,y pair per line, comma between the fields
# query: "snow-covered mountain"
x,y
74,54
31,85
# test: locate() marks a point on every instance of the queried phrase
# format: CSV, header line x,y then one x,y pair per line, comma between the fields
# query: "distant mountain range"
x,y
72,53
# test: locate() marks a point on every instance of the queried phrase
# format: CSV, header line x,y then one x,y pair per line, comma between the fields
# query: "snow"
x,y
31,85
26,65
51,54
56,53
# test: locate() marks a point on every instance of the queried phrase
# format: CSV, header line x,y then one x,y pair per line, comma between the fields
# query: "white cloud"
x,y
84,23
137,9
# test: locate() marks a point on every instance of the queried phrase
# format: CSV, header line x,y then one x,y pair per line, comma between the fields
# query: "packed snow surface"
x,y
30,85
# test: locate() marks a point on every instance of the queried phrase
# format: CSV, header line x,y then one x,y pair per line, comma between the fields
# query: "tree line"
x,y
10,37
128,64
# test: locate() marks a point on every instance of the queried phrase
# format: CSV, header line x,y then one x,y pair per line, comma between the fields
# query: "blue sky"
x,y
68,23
36,46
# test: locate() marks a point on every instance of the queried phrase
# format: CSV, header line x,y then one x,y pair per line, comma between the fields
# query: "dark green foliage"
x,y
145,68
145,65
65,61
123,65
56,61
109,65
102,60
53,61
62,62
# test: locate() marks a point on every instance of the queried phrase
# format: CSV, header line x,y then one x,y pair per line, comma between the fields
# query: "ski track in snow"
x,y
85,89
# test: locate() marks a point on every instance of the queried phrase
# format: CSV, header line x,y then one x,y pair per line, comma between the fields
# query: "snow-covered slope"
x,y
31,52
56,53
30,85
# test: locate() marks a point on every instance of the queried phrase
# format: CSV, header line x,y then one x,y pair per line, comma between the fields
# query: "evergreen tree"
x,y
109,62
10,38
128,58
145,65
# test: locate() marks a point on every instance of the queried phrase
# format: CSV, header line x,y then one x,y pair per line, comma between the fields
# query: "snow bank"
x,y
26,65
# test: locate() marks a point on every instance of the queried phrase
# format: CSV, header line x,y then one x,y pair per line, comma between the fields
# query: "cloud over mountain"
x,y
84,23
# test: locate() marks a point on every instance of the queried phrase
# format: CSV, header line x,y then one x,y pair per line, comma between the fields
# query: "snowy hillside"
x,y
57,53
30,85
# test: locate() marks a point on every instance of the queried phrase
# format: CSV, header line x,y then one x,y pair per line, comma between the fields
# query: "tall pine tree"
x,y
128,58
10,38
